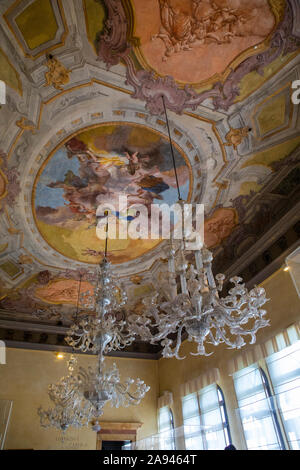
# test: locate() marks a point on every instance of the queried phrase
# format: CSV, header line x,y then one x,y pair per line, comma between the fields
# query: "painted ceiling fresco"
x,y
196,41
84,123
97,167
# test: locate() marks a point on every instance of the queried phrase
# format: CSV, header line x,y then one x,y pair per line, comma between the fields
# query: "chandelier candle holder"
x,y
197,308
70,409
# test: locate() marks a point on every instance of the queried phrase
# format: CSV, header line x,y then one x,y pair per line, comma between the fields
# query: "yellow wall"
x,y
283,310
25,378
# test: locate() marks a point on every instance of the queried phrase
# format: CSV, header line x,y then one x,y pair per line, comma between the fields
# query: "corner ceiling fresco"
x,y
196,41
83,123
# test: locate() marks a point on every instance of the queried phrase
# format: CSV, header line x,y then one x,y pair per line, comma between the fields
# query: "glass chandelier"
x,y
81,396
103,384
70,406
104,322
101,333
195,308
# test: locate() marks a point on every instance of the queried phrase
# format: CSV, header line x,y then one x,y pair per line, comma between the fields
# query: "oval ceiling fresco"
x,y
95,167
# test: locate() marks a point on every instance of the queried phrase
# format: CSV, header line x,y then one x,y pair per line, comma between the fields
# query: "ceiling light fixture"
x,y
70,406
196,308
104,328
81,396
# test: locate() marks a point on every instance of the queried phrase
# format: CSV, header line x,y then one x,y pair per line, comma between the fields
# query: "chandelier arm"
x,y
227,317
222,336
259,323
162,334
178,344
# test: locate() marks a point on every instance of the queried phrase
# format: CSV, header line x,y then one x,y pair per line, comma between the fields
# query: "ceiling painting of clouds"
x,y
95,167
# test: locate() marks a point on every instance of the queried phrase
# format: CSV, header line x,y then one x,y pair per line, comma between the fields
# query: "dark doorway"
x,y
113,445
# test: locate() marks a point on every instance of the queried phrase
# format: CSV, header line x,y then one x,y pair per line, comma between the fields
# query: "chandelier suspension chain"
x,y
171,147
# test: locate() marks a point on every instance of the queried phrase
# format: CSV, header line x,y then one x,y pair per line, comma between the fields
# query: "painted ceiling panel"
x,y
83,124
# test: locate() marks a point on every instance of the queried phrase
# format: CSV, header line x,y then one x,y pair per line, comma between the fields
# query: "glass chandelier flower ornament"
x,y
197,309
70,407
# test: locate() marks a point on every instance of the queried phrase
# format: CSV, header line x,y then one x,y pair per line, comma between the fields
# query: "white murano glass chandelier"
x,y
187,302
196,308
70,408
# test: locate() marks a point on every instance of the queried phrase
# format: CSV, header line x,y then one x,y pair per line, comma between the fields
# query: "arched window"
x,y
257,410
206,425
284,371
166,429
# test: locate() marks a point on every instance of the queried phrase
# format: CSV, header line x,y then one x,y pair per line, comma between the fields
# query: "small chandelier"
x,y
196,308
103,384
70,406
103,323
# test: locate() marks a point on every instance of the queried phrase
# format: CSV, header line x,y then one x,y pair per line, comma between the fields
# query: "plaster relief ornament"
x,y
57,75
236,136
26,125
9,183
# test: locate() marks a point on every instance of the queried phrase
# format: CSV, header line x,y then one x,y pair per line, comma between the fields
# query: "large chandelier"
x,y
188,302
81,396
196,308
70,406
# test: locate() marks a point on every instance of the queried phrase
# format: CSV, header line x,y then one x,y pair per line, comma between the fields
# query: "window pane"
x,y
211,417
205,430
284,370
166,431
255,409
191,421
190,405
